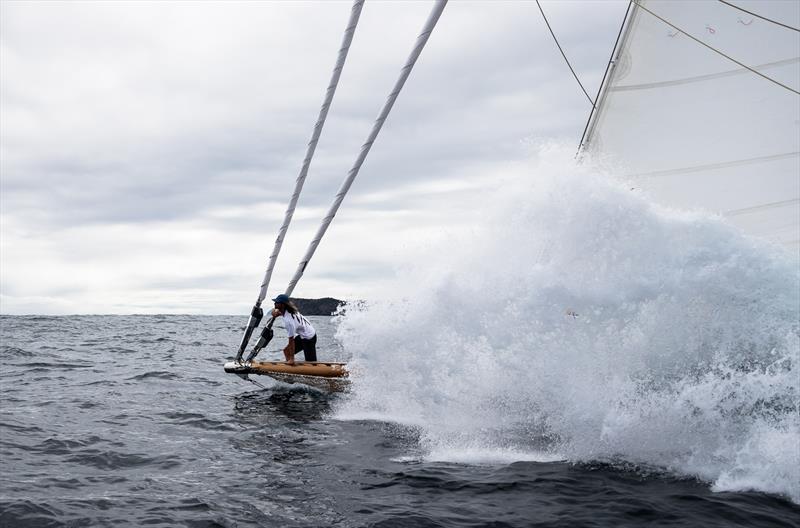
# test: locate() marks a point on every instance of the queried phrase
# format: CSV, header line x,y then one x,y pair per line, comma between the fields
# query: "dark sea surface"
x,y
131,421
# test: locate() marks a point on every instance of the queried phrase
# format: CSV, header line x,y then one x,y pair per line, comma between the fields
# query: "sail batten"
x,y
758,208
708,77
722,165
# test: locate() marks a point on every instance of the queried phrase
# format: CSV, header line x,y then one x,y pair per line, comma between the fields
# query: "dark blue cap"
x,y
282,298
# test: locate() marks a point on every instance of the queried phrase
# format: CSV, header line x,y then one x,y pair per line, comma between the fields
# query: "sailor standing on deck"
x,y
302,336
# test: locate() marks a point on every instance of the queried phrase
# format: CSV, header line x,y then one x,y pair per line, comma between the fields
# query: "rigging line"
x,y
759,16
312,144
673,26
563,54
254,381
427,29
605,76
257,313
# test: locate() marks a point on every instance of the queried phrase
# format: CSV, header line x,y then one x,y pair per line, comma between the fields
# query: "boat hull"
x,y
327,376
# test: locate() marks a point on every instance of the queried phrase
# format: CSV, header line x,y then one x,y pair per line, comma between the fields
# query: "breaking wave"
x,y
582,321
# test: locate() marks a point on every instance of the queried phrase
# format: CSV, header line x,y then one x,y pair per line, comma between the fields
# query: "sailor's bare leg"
x,y
289,357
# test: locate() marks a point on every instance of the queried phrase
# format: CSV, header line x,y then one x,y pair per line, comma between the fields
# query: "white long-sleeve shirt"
x,y
296,324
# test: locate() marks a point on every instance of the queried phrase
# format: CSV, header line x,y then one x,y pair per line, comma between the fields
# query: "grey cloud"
x,y
441,119
219,280
362,271
140,113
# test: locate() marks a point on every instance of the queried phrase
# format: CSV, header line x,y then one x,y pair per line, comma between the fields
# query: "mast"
x,y
599,100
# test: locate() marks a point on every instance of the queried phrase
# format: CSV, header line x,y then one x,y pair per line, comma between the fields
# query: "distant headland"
x,y
323,306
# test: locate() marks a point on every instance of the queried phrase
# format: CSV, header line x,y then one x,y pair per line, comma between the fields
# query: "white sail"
x,y
694,129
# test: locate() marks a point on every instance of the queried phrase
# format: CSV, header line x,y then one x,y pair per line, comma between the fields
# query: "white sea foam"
x,y
683,354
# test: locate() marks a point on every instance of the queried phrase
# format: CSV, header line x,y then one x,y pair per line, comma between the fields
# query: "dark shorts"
x,y
307,346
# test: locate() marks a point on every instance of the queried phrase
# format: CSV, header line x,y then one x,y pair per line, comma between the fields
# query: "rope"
x,y
347,39
759,16
563,54
254,381
673,26
427,29
256,314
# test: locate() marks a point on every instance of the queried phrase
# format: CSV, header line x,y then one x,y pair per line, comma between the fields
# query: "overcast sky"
x,y
148,149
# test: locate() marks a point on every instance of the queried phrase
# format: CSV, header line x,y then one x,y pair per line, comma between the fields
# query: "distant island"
x,y
323,306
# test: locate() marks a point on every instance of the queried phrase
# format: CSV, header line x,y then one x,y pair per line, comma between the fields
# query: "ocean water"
x,y
579,357
130,421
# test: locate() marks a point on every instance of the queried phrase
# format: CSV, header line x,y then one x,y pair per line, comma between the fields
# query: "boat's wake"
x,y
581,314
